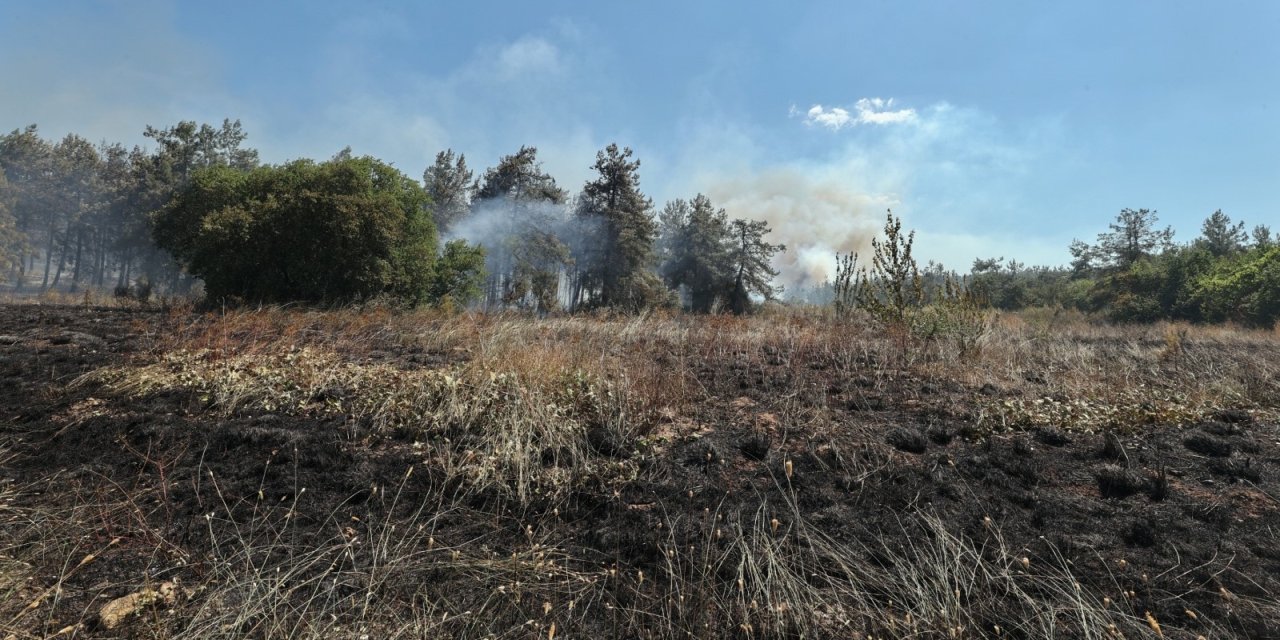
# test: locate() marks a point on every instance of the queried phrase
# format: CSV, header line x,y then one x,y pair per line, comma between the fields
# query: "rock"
x,y
116,612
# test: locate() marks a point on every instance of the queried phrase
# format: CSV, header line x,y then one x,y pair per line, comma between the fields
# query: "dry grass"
x,y
761,574
485,399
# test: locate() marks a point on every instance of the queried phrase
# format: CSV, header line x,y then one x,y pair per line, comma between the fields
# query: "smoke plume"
x,y
815,217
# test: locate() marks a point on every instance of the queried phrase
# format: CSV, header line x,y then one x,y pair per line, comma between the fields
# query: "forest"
x,y
197,213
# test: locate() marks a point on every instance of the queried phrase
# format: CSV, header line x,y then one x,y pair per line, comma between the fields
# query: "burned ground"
x,y
776,477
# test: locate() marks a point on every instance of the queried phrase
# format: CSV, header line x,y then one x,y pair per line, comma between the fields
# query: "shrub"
x,y
335,231
1245,290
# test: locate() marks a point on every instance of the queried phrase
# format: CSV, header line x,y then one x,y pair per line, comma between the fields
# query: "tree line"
x,y
75,214
200,209
1136,272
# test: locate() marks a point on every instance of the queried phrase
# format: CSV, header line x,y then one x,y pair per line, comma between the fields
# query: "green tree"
x,y
448,183
187,147
1220,237
28,163
696,242
615,254
458,274
305,231
1244,288
1083,258
749,260
1262,238
1133,236
520,207
159,175
671,223
1001,285
894,287
77,195
11,241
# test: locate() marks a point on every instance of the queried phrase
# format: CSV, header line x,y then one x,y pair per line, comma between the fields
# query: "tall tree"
x,y
448,183
10,240
186,147
181,150
671,222
1220,237
616,252
522,207
78,195
27,161
1262,237
696,246
750,258
1133,236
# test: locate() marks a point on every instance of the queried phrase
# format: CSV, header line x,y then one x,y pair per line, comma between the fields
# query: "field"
x,y
379,474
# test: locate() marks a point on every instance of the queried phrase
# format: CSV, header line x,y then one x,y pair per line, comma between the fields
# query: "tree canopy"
x,y
333,231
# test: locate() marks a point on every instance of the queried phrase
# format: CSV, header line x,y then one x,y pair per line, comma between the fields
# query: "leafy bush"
x,y
340,230
1245,289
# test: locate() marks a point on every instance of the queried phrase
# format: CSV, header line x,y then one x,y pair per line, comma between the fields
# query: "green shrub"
x,y
335,231
1245,289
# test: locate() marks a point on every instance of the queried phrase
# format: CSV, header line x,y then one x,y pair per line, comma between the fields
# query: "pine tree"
x,y
616,250
749,259
27,162
697,247
1221,237
448,182
10,240
1262,237
1133,236
525,255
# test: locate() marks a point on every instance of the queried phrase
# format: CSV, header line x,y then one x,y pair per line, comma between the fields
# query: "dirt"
x,y
1168,518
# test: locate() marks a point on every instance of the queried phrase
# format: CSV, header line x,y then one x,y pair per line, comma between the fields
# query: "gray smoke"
x,y
815,217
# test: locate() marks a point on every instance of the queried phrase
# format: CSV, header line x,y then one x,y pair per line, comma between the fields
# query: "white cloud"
x,y
835,118
880,111
877,111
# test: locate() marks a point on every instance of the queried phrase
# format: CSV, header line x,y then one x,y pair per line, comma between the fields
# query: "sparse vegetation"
x,y
374,472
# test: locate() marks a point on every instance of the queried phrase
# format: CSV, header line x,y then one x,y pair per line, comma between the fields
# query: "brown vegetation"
x,y
369,473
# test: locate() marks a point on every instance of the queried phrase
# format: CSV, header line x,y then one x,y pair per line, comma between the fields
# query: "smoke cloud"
x,y
815,217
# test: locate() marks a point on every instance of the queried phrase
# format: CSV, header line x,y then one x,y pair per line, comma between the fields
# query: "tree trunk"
x,y
48,255
62,256
100,275
126,265
75,274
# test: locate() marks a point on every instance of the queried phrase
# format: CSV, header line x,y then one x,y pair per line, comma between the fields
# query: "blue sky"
x,y
993,128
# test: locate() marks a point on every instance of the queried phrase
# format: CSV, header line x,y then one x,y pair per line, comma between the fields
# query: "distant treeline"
x,y
199,209
1135,272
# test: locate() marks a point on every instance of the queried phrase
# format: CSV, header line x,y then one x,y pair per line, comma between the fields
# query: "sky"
x,y
992,128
